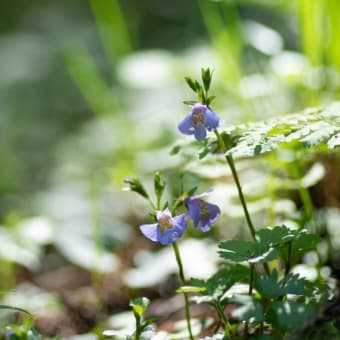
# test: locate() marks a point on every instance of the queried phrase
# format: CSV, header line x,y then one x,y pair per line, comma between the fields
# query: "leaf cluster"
x,y
201,88
267,245
309,128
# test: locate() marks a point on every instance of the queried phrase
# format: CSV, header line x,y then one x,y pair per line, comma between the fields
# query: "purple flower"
x,y
202,213
200,119
167,230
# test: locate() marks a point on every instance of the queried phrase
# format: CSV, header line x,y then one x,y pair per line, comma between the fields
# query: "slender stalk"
x,y
289,257
138,328
250,293
231,164
251,280
186,297
228,332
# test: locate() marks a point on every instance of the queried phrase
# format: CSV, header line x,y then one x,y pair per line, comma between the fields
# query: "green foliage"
x,y
159,186
270,287
136,186
139,306
252,252
308,128
25,331
289,315
214,289
250,311
267,245
201,90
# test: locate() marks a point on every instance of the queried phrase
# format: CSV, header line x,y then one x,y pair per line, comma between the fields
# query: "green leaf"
x,y
192,83
159,185
139,305
204,151
225,278
218,284
289,315
136,186
269,287
304,242
189,102
175,150
308,128
272,237
206,78
210,99
253,252
293,284
250,311
236,250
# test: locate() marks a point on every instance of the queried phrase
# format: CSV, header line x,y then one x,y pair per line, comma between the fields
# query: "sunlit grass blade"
x,y
112,28
225,38
93,87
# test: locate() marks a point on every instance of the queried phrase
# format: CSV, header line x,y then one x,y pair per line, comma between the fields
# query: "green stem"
x,y
289,257
186,297
231,164
250,293
138,328
228,331
232,167
251,280
303,191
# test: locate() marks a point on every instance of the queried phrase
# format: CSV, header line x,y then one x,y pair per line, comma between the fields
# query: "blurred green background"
x,y
91,92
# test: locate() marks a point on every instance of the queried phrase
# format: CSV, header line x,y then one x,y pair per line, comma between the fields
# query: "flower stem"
x,y
228,331
231,164
232,167
289,258
186,297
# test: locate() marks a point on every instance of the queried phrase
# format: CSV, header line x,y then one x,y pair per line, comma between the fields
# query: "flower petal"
x,y
200,132
194,212
160,213
166,237
150,231
195,197
214,212
211,119
181,220
185,126
204,224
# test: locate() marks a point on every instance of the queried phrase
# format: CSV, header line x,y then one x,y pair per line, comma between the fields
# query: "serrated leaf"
x,y
219,283
236,250
270,237
250,311
270,287
304,242
240,251
289,315
308,128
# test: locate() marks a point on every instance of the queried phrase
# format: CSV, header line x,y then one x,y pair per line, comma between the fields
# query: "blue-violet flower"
x,y
200,119
168,229
203,214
